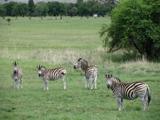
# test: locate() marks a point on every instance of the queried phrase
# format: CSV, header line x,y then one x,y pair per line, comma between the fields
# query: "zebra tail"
x,y
149,95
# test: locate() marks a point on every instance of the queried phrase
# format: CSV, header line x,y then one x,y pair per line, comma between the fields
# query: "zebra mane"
x,y
84,63
79,59
41,66
117,79
111,76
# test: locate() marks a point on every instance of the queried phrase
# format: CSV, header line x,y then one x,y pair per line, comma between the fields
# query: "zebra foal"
x,y
89,71
128,91
17,76
51,74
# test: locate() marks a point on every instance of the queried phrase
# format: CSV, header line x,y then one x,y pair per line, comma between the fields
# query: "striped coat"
x,y
89,71
51,74
128,91
17,76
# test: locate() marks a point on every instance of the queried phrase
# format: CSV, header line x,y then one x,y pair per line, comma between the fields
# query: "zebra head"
x,y
81,64
108,80
111,81
40,69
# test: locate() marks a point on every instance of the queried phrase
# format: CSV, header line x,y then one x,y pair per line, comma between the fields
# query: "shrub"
x,y
135,27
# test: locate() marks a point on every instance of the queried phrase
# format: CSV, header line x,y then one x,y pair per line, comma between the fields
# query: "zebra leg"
x,y
14,83
21,83
45,84
17,84
85,82
88,83
144,100
122,103
64,83
144,103
95,82
119,103
91,83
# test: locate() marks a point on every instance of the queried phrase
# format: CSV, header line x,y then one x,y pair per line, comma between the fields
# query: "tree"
x,y
56,8
84,9
23,9
15,10
2,11
135,27
41,9
79,1
73,11
9,8
31,7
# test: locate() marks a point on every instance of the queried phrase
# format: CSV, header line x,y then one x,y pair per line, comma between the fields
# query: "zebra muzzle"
x,y
74,67
108,86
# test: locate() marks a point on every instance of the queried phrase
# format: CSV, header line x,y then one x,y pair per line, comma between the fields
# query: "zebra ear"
x,y
38,66
79,59
110,75
107,76
15,63
42,67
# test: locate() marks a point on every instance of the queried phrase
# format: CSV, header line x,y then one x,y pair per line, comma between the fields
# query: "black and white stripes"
x,y
121,90
129,91
17,76
90,73
51,74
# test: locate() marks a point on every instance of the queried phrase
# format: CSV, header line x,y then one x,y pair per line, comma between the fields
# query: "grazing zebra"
x,y
90,73
128,91
17,76
51,74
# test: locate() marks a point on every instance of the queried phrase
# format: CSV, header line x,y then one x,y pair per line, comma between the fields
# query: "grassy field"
x,y
59,43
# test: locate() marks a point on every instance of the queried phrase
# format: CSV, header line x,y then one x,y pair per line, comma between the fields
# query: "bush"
x,y
135,27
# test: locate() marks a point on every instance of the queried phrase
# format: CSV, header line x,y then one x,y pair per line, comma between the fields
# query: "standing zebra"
x,y
51,74
17,76
128,91
90,73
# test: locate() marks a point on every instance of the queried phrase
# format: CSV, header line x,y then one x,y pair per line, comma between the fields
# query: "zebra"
x,y
51,74
90,73
17,76
129,91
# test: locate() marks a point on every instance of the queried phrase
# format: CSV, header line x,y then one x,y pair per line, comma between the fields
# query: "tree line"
x,y
80,8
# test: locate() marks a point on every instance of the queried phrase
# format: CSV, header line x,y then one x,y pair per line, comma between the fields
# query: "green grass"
x,y
75,33
58,43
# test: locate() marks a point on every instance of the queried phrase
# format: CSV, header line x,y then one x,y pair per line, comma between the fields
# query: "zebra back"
x,y
91,71
83,63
